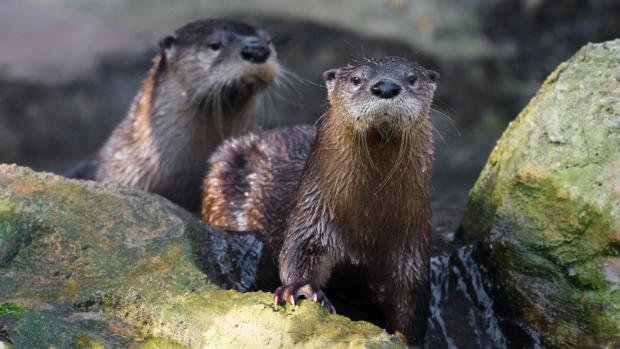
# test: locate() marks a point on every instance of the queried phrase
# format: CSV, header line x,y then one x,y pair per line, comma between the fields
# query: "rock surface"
x,y
90,265
548,205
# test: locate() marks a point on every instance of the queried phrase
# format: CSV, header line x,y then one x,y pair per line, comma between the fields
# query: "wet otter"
x,y
356,193
201,88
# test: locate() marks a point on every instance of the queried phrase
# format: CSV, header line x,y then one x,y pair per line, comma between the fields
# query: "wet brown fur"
x,y
362,199
252,181
341,216
162,144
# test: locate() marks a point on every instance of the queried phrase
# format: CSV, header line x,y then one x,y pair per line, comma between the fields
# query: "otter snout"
x,y
385,89
387,93
255,51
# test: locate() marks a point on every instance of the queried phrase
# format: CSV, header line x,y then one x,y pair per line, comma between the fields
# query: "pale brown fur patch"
x,y
142,112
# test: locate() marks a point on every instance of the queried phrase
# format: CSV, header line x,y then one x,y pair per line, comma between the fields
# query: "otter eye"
x,y
411,79
214,45
355,80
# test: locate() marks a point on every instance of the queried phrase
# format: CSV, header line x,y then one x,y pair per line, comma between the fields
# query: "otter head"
x,y
390,93
219,61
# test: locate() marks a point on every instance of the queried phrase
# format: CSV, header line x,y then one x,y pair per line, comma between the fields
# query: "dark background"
x,y
70,68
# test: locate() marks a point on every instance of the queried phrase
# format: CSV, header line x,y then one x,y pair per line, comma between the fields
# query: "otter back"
x,y
252,181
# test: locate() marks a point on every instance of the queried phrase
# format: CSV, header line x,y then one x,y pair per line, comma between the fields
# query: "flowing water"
x,y
462,314
463,311
462,308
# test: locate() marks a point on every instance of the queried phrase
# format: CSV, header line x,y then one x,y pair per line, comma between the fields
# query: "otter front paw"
x,y
401,336
292,293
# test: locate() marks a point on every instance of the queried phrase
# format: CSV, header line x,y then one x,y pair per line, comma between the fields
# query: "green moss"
x,y
560,242
159,343
548,204
31,329
589,276
7,209
122,266
568,231
82,340
12,309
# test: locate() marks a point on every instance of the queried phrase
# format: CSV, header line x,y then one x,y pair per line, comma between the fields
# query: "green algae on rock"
x,y
86,264
548,205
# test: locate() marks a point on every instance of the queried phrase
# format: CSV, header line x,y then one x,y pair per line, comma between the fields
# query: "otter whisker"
x,y
266,107
247,122
291,76
217,111
399,158
285,89
278,95
287,76
206,101
448,119
362,136
262,107
440,135
361,152
286,84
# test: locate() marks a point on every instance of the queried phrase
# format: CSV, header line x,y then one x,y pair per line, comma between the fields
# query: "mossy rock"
x,y
548,205
89,265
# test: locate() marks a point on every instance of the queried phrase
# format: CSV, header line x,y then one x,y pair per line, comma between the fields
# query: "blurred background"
x,y
70,68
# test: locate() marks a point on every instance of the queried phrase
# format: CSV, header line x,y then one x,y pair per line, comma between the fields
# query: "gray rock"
x,y
548,205
91,265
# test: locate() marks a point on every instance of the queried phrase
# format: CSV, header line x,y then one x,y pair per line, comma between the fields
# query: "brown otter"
x,y
355,194
201,88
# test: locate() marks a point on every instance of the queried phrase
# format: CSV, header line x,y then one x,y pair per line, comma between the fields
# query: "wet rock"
x,y
85,264
548,205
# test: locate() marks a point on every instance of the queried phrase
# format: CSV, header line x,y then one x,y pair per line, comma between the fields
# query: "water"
x,y
462,314
462,306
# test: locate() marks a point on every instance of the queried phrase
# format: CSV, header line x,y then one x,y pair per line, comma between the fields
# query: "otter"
x,y
201,88
352,191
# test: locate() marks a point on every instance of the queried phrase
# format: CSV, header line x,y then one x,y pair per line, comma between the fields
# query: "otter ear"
x,y
167,46
432,75
329,77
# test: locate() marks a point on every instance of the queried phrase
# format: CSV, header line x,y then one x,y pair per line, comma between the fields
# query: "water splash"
x,y
462,314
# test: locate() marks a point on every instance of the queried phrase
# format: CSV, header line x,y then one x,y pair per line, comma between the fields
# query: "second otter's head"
x,y
376,94
220,58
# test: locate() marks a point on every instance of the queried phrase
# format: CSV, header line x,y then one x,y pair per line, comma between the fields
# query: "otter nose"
x,y
255,52
385,89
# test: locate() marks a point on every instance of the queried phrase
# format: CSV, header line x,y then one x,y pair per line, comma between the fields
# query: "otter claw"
x,y
290,294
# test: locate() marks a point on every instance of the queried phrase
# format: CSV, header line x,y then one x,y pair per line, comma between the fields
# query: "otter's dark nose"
x,y
385,89
255,52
